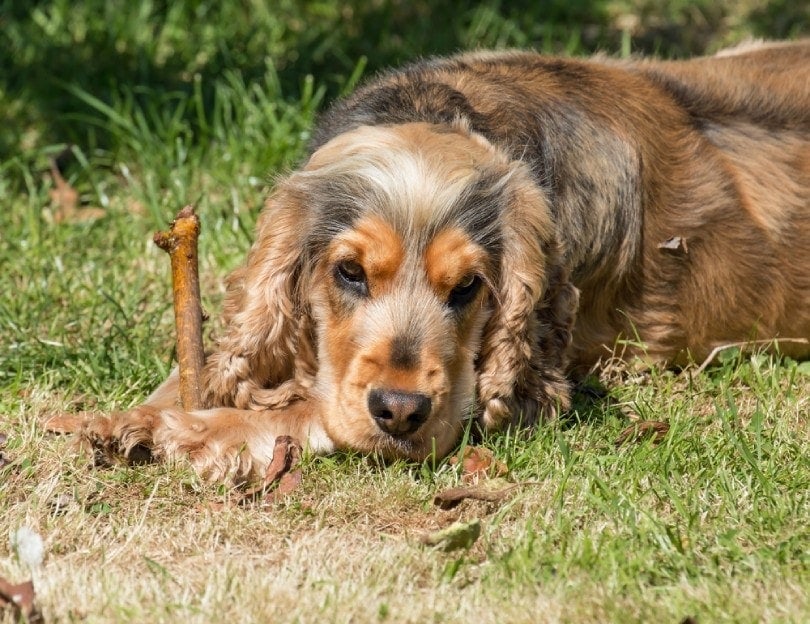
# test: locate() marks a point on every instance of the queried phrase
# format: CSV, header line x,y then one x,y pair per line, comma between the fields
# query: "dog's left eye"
x,y
464,292
351,276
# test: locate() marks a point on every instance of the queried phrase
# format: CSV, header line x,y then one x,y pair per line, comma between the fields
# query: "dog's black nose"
x,y
398,413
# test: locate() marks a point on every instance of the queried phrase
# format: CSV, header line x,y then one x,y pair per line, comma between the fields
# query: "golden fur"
x,y
467,232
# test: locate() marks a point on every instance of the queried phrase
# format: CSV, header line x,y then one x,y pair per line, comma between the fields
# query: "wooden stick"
x,y
180,242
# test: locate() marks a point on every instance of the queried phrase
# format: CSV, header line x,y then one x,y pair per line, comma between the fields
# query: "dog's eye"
x,y
351,276
464,292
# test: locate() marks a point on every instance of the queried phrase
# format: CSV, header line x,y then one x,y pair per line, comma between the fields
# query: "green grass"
x,y
146,109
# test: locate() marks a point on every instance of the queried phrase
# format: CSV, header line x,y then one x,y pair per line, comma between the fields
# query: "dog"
x,y
468,234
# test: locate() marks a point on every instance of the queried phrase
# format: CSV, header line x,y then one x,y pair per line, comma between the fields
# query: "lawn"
x,y
140,108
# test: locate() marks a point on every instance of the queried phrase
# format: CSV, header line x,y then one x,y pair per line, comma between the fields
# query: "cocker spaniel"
x,y
468,231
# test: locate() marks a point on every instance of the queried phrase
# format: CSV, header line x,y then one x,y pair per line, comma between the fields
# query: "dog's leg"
x,y
221,443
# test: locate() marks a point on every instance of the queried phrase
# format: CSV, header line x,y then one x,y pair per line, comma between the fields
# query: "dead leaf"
x,y
457,535
642,429
451,497
61,503
4,460
675,245
65,201
478,462
216,507
19,599
286,455
288,483
288,451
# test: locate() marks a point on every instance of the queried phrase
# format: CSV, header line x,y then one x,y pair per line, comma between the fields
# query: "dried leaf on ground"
x,y
492,491
458,535
19,599
478,462
60,504
65,201
675,245
643,429
289,482
286,456
4,460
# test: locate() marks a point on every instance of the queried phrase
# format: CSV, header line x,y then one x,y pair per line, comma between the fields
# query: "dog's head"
x,y
405,270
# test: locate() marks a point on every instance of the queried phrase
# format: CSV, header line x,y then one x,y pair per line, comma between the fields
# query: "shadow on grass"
x,y
101,47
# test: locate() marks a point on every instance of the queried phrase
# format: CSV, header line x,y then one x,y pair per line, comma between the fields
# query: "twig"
x,y
180,242
746,343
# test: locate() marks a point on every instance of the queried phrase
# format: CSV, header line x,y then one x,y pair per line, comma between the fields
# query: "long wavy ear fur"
x,y
265,358
521,367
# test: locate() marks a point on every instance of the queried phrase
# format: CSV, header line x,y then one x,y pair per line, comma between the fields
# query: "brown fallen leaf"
x,y
60,504
4,460
213,506
286,456
675,245
65,201
642,429
289,482
492,491
19,599
478,462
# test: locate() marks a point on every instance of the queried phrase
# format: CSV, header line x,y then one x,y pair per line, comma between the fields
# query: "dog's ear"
x,y
521,366
265,357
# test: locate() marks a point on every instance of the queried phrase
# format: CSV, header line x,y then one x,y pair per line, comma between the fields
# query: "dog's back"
x,y
679,188
767,84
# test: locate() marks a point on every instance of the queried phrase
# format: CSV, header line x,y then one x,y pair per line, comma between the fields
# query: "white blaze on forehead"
x,y
412,312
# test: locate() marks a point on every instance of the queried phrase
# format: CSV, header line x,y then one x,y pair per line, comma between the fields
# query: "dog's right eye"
x,y
351,276
464,292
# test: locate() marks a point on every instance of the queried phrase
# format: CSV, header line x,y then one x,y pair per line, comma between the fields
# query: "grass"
x,y
710,523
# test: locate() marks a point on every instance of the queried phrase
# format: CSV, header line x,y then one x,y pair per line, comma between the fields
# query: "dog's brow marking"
x,y
450,257
376,247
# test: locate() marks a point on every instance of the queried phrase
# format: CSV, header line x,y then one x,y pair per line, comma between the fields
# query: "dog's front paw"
x,y
126,434
218,443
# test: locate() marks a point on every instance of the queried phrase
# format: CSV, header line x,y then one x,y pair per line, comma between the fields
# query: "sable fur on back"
x,y
712,151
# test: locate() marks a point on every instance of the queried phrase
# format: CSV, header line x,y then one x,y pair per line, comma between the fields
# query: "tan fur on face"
x,y
374,245
407,299
450,257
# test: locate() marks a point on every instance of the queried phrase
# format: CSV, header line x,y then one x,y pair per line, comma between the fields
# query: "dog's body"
x,y
468,231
